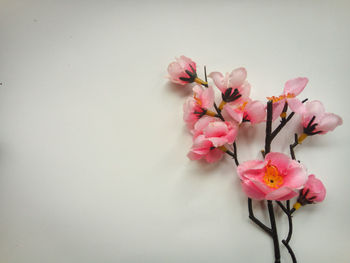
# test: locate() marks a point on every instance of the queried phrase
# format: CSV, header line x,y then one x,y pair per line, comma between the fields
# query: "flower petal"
x,y
310,109
295,105
251,190
237,77
296,177
214,155
280,160
219,80
235,114
329,122
277,108
207,97
281,194
255,111
295,86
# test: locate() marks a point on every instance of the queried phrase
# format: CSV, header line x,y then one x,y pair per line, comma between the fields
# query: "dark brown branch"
x,y
285,242
257,221
274,232
284,121
293,145
268,138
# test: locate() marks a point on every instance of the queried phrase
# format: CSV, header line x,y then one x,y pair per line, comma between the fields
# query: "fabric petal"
x,y
251,190
214,155
207,97
280,160
255,111
215,129
295,86
310,109
219,80
237,77
235,114
296,177
281,194
251,168
277,108
329,122
295,105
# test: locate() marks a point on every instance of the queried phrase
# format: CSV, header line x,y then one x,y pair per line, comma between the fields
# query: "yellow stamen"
x,y
272,177
201,82
222,148
297,205
199,102
302,137
222,104
210,113
282,97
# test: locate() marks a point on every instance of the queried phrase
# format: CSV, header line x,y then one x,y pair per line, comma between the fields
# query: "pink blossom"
x,y
233,86
276,178
316,121
292,88
182,71
209,136
197,106
314,190
252,111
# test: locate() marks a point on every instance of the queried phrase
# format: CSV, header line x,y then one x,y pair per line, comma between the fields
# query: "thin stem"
x,y
274,232
285,242
268,138
235,152
293,145
257,221
284,121
292,255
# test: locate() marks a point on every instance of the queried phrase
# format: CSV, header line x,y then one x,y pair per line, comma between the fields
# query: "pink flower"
x,y
209,137
182,71
316,121
276,178
314,189
252,111
313,192
292,88
197,106
233,86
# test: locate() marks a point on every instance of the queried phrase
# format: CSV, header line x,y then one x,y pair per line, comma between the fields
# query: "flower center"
x,y
282,97
272,177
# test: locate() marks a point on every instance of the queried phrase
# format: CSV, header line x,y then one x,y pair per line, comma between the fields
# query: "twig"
x,y
268,137
285,242
274,232
293,145
257,221
284,121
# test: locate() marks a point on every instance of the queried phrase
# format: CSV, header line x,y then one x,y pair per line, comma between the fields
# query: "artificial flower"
x,y
292,88
252,111
209,137
316,121
183,71
276,178
197,106
233,86
313,192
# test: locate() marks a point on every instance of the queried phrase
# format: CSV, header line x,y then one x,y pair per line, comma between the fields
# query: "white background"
x,y
93,164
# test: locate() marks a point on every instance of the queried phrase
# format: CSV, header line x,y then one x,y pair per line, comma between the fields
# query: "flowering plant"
x,y
276,179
